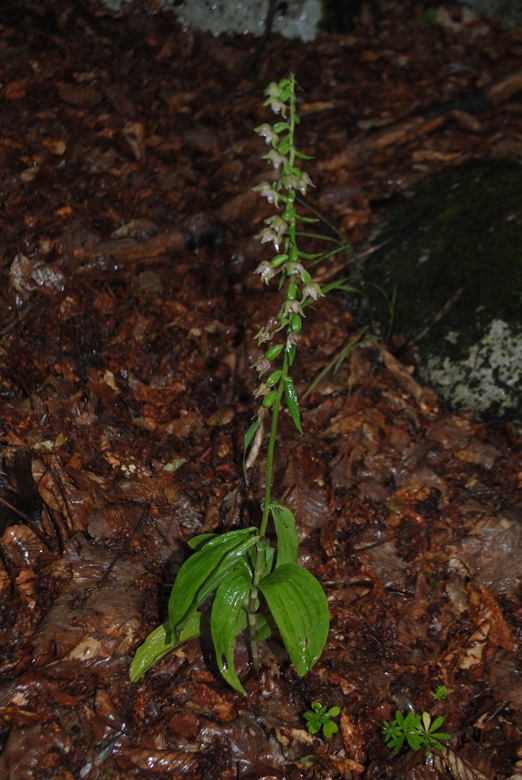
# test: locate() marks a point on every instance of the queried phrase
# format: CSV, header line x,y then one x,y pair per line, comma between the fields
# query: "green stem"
x,y
259,559
251,609
271,449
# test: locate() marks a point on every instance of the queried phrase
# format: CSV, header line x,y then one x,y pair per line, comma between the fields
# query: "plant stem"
x,y
270,452
259,560
251,609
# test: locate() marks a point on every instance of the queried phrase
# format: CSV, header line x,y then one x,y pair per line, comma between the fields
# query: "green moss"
x,y
462,231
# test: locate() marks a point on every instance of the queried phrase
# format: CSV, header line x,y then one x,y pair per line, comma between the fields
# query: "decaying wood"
x,y
431,119
125,251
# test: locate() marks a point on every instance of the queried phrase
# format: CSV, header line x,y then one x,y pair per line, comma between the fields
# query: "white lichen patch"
x,y
487,379
298,19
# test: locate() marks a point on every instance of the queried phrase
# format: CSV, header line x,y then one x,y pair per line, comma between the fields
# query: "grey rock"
x,y
450,282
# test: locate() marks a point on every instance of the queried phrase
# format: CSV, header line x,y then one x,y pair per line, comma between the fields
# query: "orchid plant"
x,y
256,581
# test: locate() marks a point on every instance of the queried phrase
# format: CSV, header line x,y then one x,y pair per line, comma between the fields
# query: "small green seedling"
x,y
440,693
417,730
320,718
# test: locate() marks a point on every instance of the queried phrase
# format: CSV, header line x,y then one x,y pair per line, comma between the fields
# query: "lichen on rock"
x,y
488,379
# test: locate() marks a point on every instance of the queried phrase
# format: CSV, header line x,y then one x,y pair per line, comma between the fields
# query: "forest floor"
x,y
127,313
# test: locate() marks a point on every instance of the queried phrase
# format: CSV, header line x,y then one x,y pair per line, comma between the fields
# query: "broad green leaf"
x,y
197,542
287,536
300,609
209,565
226,612
292,402
161,641
228,563
244,566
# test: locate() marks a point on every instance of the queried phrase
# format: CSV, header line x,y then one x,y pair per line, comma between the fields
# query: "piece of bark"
x,y
431,119
122,251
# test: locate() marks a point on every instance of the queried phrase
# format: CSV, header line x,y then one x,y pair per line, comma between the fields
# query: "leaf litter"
x,y
128,311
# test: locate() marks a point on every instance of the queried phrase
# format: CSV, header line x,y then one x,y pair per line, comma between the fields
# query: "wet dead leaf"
x,y
222,416
80,95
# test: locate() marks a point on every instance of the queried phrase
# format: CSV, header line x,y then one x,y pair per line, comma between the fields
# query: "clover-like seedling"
x,y
440,693
418,731
319,717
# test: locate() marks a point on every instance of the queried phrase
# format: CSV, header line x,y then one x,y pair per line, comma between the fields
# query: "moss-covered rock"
x,y
454,267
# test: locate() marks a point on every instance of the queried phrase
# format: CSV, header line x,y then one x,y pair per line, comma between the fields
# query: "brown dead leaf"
x,y
402,374
15,90
159,396
222,416
467,121
59,492
205,700
178,765
486,610
80,95
134,135
449,760
353,740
